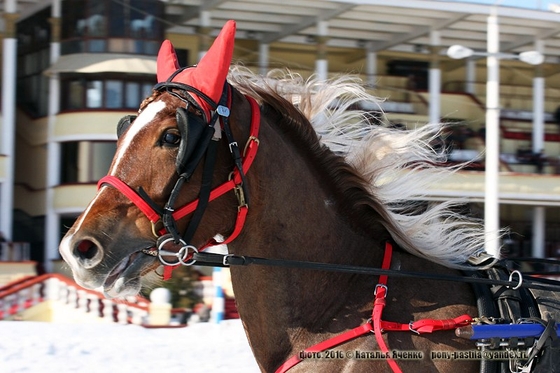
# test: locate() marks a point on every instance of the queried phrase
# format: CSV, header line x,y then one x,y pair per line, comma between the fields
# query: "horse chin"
x,y
125,278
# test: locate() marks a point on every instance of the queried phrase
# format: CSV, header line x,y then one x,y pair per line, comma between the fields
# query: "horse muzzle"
x,y
92,269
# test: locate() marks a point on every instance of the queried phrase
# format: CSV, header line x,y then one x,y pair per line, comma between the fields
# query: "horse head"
x,y
141,204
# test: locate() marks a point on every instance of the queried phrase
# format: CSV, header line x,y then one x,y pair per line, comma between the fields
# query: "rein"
x,y
375,324
226,260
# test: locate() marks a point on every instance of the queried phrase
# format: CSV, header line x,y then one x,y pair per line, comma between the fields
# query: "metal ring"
x,y
520,279
184,253
162,252
156,227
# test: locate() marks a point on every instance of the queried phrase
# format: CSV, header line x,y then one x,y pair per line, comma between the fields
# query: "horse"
x,y
281,167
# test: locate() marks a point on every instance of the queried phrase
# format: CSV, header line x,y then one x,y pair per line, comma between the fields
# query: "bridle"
x,y
199,139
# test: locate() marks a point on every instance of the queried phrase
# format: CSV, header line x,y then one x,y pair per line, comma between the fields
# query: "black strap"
x,y
205,189
220,260
234,148
548,335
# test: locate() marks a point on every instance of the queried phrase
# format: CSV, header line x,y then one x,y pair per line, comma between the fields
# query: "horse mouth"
x,y
124,279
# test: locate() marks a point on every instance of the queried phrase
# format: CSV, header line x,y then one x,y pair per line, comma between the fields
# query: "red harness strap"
x,y
378,326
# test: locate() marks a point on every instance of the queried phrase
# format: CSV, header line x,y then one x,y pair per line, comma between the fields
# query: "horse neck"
x,y
293,216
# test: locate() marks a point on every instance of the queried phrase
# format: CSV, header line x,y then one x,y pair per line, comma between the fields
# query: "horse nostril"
x,y
86,250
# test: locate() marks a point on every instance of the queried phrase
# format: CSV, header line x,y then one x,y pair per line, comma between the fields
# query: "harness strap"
x,y
378,326
356,332
378,306
250,152
325,345
132,195
205,187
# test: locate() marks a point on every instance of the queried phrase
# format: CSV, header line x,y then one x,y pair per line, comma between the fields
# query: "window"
x,y
94,94
69,159
97,26
104,91
34,36
85,161
75,95
132,95
114,94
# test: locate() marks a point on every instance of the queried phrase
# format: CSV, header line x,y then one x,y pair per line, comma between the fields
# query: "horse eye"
x,y
170,139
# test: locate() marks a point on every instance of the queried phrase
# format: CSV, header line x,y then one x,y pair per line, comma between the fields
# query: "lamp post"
x,y
492,167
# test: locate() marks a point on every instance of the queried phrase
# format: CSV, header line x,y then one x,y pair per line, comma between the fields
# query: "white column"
x,y
160,307
371,68
264,51
470,76
204,30
7,138
538,103
539,212
218,302
52,218
321,63
539,222
434,85
434,79
491,203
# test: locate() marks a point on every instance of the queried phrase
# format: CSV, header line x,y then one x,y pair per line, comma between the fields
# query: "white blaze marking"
x,y
145,117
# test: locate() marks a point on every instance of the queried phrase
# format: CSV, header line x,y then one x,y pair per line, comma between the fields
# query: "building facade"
x,y
72,68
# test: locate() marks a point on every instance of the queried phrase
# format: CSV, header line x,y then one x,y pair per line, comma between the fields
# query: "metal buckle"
x,y
381,286
225,259
249,141
412,329
231,145
240,194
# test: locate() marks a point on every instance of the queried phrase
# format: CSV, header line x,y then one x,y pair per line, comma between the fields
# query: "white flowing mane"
x,y
398,165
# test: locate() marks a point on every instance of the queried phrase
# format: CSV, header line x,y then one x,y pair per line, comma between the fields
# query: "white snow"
x,y
37,347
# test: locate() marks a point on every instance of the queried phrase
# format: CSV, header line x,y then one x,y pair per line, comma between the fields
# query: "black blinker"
x,y
195,135
124,123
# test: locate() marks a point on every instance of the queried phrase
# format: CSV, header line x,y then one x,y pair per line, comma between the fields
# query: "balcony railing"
x,y
14,251
21,295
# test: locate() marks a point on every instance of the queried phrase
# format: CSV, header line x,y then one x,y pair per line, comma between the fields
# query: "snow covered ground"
x,y
35,347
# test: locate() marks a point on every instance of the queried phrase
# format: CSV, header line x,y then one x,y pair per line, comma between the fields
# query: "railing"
x,y
512,97
18,296
14,251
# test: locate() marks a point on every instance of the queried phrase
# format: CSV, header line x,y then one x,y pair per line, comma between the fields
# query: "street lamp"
x,y
492,167
531,57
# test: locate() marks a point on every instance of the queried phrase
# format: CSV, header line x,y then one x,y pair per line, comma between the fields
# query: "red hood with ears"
x,y
209,75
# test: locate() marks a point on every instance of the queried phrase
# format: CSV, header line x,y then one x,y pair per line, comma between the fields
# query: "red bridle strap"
x,y
234,183
131,194
378,326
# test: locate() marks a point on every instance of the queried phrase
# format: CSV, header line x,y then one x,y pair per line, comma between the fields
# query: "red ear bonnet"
x,y
210,73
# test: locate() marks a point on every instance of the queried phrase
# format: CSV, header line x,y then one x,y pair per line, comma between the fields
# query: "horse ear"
x,y
167,62
210,74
